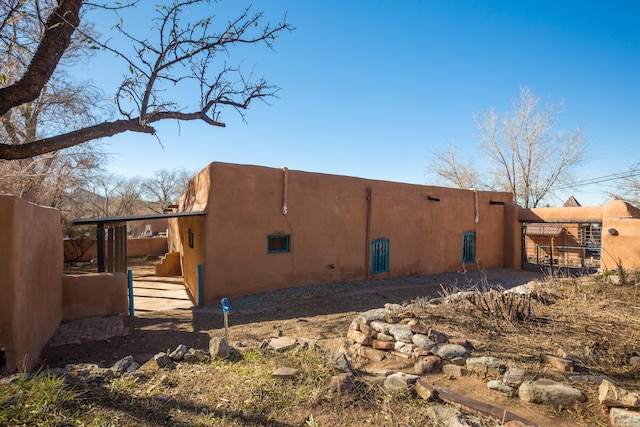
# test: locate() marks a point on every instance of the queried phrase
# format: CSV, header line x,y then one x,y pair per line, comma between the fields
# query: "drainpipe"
x,y
285,175
367,246
475,204
285,210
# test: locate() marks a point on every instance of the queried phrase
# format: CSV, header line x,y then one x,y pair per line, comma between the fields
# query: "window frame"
x,y
378,265
287,243
468,247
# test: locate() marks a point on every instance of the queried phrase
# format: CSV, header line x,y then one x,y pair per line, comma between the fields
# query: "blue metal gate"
x,y
379,256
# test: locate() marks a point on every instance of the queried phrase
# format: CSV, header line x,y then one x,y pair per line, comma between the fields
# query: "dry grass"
x,y
591,320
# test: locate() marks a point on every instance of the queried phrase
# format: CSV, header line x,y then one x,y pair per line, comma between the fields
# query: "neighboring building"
x,y
581,237
268,229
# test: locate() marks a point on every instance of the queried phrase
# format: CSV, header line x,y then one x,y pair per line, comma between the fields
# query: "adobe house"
x,y
267,228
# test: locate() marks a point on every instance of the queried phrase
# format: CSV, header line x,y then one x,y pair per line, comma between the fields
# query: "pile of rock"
x,y
393,333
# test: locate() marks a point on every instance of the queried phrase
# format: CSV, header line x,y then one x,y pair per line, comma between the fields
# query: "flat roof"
x,y
79,221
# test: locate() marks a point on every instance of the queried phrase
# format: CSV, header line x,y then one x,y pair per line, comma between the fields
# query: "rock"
x,y
407,349
218,348
342,382
394,307
370,315
133,367
459,341
366,329
401,333
162,360
449,351
526,289
501,387
282,343
634,361
419,352
487,365
560,363
381,327
178,353
425,390
514,377
428,365
623,418
341,361
359,337
549,392
400,381
383,345
419,328
422,341
453,371
285,372
614,279
437,336
200,356
384,337
446,416
372,354
611,395
397,345
121,365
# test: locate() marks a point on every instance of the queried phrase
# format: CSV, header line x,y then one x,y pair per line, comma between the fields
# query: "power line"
x,y
632,172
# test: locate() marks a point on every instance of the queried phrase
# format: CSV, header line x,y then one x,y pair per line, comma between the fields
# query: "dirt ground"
x,y
321,312
569,316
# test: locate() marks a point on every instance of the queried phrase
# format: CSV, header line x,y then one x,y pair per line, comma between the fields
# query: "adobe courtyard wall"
x,y
91,295
86,250
331,221
31,281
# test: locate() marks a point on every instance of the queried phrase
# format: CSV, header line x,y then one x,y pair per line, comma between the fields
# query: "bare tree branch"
x,y
184,52
60,26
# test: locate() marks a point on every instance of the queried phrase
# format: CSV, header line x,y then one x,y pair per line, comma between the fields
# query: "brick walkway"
x,y
92,329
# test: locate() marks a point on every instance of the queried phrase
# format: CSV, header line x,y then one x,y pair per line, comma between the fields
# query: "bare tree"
x,y
185,52
450,168
528,157
629,187
164,188
109,195
62,103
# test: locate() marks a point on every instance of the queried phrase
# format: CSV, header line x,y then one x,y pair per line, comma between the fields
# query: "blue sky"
x,y
372,88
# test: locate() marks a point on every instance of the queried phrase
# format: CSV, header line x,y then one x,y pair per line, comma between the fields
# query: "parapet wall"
x,y
31,282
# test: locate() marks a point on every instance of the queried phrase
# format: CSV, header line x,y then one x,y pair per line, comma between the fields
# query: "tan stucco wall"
x,y
31,280
196,199
91,295
135,247
327,220
623,247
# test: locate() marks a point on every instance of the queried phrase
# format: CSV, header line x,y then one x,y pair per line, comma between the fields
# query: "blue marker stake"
x,y
225,312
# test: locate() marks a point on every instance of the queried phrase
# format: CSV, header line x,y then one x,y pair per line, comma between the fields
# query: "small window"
x,y
379,256
469,247
192,238
277,244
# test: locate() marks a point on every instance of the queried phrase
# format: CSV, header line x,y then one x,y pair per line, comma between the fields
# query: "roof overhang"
x,y
117,219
